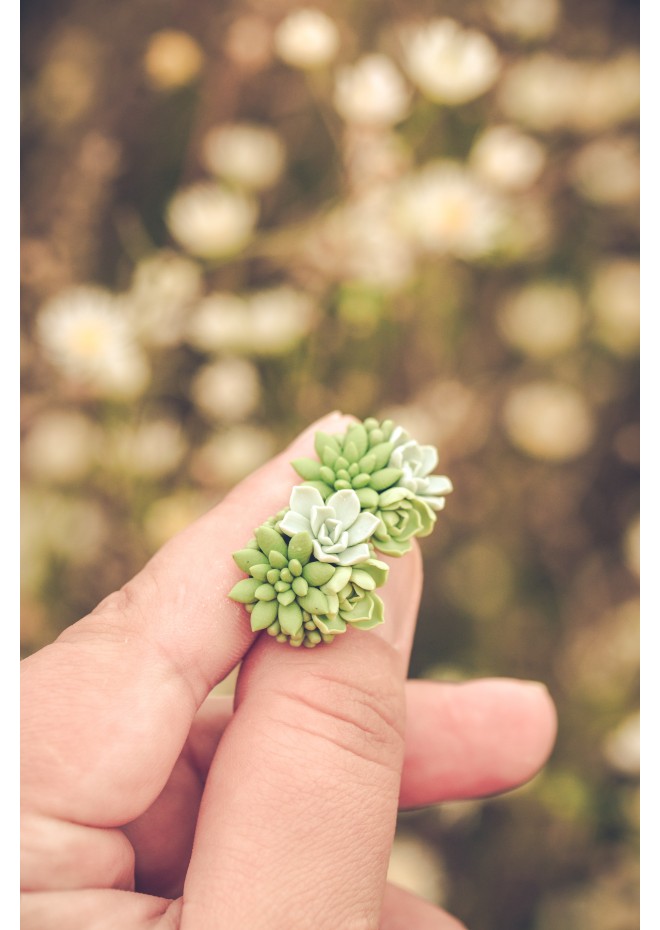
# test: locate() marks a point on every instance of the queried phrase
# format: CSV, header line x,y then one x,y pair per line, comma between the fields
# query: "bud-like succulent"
x,y
388,471
358,460
300,600
401,516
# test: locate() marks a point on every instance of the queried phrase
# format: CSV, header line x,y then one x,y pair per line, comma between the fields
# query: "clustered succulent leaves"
x,y
313,568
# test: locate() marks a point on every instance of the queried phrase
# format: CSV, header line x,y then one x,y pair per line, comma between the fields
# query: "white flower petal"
x,y
295,523
303,498
362,529
346,506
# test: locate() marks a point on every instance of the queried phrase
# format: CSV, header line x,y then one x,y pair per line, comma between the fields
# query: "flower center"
x,y
331,537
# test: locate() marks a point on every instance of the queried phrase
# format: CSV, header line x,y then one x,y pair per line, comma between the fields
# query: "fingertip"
x,y
532,725
336,421
474,739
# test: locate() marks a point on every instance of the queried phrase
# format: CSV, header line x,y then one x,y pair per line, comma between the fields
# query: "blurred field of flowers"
x,y
240,216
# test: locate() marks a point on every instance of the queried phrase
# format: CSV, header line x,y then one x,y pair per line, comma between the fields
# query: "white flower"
x,y
61,446
227,390
245,153
540,91
361,241
307,39
172,59
210,221
527,19
614,297
162,290
542,319
279,318
268,322
373,157
153,448
549,421
607,171
548,92
371,92
506,158
228,456
449,64
338,528
444,209
219,323
85,333
622,746
417,462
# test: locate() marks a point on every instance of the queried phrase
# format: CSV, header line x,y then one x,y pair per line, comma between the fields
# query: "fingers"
x,y
301,798
405,911
461,741
160,867
474,739
76,855
107,708
104,909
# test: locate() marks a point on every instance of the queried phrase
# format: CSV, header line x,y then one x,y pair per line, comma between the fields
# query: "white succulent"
x,y
338,528
417,462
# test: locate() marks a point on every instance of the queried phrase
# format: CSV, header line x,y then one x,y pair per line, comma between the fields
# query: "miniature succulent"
x,y
416,463
380,462
338,527
299,599
311,568
358,460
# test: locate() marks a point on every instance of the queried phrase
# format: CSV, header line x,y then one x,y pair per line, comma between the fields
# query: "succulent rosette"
x,y
338,527
312,570
300,600
389,472
416,464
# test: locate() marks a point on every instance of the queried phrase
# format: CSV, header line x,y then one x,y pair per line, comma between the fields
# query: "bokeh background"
x,y
238,216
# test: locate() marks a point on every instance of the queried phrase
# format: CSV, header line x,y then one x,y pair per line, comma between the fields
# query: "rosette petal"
x,y
320,517
303,499
294,522
346,506
364,527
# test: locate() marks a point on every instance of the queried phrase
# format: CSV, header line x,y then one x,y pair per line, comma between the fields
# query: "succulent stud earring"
x,y
312,569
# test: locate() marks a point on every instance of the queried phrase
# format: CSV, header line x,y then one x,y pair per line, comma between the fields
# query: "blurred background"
x,y
238,216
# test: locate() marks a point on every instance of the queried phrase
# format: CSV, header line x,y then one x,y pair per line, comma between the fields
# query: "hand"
x,y
149,804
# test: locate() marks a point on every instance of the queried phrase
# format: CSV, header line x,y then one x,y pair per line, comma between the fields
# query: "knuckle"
x,y
359,716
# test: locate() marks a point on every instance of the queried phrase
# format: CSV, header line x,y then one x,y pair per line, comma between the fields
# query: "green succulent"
x,y
300,600
360,460
402,516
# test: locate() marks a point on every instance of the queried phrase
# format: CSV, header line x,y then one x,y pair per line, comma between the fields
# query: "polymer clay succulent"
x,y
389,472
313,568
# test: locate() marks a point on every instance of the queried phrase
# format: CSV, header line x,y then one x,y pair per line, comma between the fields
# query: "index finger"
x,y
106,708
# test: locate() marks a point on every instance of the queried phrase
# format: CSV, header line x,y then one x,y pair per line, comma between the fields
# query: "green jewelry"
x,y
313,568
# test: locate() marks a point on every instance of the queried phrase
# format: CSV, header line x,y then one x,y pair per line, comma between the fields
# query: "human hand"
x,y
290,797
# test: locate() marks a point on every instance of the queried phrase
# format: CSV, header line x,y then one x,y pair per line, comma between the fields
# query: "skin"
x,y
149,803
